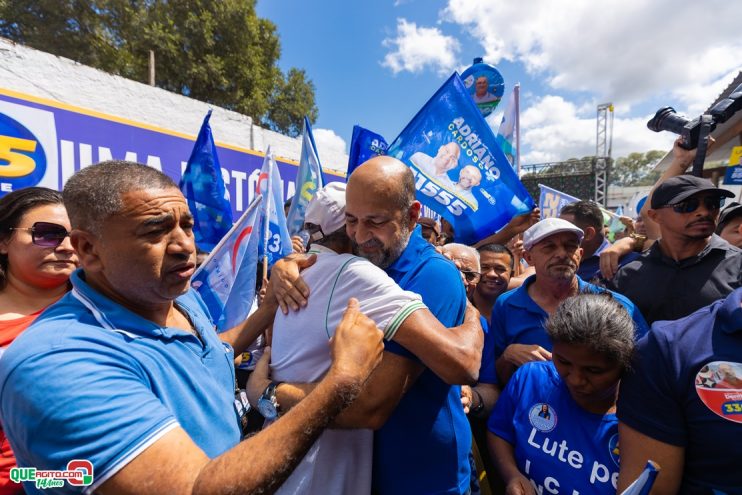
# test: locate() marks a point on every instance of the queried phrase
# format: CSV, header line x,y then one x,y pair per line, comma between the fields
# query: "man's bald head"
x,y
388,178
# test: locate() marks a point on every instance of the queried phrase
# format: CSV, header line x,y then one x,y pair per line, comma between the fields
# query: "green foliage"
x,y
219,52
636,169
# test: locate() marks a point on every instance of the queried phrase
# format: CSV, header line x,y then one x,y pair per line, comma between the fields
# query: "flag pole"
x,y
516,89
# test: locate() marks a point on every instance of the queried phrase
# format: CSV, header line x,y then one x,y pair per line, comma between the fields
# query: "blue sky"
x,y
376,63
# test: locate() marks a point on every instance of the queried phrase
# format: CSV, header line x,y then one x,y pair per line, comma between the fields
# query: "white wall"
x,y
40,74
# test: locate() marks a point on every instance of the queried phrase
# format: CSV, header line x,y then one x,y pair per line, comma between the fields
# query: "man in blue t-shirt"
x,y
552,247
125,380
681,403
424,445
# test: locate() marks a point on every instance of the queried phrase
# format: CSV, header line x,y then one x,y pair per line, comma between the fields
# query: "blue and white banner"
x,y
276,239
203,187
507,134
460,171
643,484
226,280
364,145
552,201
309,180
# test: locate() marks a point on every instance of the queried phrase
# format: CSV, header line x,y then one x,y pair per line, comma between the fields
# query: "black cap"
x,y
676,189
732,210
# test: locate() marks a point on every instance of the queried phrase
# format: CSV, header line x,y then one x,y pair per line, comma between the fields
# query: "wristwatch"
x,y
639,241
479,407
268,404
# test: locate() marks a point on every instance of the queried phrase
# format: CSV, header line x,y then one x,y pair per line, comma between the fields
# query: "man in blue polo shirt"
x,y
681,404
552,247
126,375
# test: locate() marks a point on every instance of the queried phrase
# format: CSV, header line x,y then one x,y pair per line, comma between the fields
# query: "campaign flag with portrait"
x,y
276,241
226,279
364,145
552,201
203,187
460,171
309,180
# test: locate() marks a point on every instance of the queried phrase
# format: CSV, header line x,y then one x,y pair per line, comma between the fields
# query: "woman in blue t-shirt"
x,y
554,428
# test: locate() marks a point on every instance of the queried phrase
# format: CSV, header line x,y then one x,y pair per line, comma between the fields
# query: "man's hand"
x,y
521,223
288,286
610,256
260,378
297,243
356,346
467,398
519,486
520,354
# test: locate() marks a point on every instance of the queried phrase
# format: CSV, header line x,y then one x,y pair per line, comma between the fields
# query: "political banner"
x,y
364,145
226,279
733,174
552,201
43,142
309,180
203,187
507,133
460,171
276,241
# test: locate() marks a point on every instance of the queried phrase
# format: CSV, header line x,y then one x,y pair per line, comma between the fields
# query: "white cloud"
x,y
417,48
623,52
553,129
331,148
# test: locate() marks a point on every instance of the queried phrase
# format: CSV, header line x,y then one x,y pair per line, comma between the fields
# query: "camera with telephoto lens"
x,y
667,120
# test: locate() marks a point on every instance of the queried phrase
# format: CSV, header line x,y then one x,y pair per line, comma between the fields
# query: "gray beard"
x,y
387,256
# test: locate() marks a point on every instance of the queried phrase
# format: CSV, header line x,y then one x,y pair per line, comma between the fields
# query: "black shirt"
x,y
665,289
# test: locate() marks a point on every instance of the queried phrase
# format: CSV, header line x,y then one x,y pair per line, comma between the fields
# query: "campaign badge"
x,y
613,450
543,417
719,386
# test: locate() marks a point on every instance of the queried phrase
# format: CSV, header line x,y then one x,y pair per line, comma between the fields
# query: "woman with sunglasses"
x,y
554,426
36,260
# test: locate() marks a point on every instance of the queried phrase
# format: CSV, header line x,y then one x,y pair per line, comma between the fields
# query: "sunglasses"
x,y
45,234
691,204
471,276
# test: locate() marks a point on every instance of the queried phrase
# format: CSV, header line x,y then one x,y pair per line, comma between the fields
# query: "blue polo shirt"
x,y
92,380
424,445
558,445
685,389
517,319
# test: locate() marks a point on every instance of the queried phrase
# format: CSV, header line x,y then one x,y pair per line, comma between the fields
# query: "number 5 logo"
x,y
16,163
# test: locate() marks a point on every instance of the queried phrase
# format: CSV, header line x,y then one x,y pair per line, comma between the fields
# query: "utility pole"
x,y
151,67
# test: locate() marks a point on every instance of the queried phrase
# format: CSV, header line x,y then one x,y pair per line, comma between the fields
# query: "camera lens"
x,y
667,120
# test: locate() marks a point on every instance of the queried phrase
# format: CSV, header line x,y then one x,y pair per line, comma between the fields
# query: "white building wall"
x,y
40,74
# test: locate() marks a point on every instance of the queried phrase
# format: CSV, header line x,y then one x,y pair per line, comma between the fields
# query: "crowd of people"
x,y
543,359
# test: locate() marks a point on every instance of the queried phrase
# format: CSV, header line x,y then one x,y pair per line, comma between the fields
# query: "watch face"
x,y
266,408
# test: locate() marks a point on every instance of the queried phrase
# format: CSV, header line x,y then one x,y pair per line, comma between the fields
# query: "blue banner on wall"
x,y
460,171
43,142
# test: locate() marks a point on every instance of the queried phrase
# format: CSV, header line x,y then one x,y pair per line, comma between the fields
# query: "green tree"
x,y
636,169
218,52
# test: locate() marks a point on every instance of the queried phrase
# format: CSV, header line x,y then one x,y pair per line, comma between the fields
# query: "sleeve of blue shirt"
x,y
105,411
500,421
487,372
647,400
439,284
499,339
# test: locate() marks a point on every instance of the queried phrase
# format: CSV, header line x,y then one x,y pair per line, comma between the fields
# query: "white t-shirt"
x,y
340,460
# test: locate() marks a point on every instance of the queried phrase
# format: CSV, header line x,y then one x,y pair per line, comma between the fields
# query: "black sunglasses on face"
x,y
46,234
691,204
471,276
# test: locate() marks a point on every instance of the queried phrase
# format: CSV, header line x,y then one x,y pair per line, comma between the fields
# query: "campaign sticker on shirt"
x,y
613,449
543,417
719,386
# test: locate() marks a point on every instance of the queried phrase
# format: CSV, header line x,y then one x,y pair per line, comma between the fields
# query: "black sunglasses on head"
x,y
691,204
46,234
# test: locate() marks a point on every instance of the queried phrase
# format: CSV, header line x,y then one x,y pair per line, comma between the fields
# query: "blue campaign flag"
x,y
643,484
460,171
276,241
507,134
226,280
203,187
309,180
552,201
364,145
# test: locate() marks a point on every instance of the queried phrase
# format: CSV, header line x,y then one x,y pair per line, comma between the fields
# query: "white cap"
x,y
327,208
548,227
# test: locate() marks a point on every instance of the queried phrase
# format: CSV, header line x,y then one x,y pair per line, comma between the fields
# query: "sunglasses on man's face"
x,y
471,276
45,234
691,204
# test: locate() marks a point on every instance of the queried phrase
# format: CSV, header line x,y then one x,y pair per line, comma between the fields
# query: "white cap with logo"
x,y
327,208
548,227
